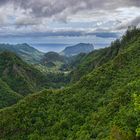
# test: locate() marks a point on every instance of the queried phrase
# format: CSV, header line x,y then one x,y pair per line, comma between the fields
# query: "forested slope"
x,y
24,51
7,96
99,57
20,76
103,105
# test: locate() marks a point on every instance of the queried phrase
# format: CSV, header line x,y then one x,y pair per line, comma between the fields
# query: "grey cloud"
x,y
49,8
3,2
35,10
105,34
134,22
27,21
69,33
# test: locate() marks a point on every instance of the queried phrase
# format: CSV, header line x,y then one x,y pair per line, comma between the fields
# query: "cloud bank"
x,y
32,17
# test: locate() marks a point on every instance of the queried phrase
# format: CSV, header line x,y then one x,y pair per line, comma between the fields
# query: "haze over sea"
x,y
47,47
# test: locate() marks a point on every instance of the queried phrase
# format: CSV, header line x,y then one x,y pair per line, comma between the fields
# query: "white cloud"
x,y
33,16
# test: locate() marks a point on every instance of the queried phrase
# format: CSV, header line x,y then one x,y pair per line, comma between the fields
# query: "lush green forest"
x,y
24,51
20,76
19,79
85,63
7,96
104,103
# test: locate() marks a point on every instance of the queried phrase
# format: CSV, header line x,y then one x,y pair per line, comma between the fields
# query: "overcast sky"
x,y
66,21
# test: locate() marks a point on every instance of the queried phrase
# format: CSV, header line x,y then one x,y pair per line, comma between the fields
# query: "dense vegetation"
x,y
21,77
24,78
84,64
24,51
7,96
103,105
52,57
52,62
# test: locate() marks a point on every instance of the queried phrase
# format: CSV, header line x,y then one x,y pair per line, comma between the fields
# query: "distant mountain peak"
x,y
77,49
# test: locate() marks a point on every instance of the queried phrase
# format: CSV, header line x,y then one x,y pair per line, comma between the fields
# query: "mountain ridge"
x,y
24,51
7,96
19,75
77,49
100,106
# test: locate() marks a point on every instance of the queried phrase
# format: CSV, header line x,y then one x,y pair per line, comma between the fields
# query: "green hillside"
x,y
7,96
52,62
52,57
21,77
24,78
77,49
103,105
98,57
17,79
24,51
